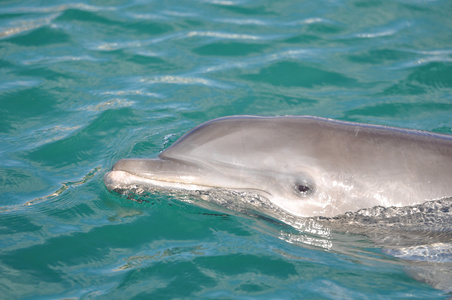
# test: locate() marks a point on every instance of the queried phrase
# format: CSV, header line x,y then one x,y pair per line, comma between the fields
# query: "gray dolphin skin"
x,y
305,166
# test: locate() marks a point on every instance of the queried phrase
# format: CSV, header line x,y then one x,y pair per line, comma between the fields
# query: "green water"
x,y
83,84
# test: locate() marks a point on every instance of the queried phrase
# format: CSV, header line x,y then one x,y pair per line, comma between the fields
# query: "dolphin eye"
x,y
304,189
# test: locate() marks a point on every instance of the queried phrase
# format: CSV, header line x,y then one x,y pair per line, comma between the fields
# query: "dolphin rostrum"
x,y
302,165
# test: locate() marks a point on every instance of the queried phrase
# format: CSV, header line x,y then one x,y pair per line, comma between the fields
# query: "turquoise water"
x,y
84,84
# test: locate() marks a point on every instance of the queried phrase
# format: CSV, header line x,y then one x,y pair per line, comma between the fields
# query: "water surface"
x,y
85,83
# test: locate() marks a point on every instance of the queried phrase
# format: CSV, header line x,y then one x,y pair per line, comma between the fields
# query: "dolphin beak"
x,y
169,173
139,167
161,169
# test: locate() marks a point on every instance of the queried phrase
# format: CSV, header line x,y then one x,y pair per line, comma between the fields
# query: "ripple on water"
x,y
84,85
282,74
424,78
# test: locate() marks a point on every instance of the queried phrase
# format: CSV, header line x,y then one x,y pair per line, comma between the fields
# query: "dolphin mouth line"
x,y
185,186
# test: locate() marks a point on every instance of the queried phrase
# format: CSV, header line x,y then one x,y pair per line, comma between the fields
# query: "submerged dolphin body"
x,y
302,165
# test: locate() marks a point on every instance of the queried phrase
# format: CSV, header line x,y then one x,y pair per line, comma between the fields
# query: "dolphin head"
x,y
245,154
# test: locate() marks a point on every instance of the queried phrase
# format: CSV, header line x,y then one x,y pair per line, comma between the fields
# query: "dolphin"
x,y
303,166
